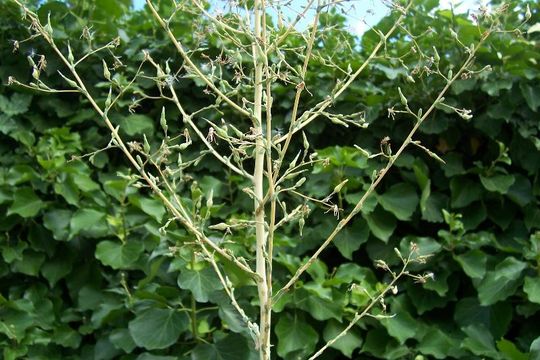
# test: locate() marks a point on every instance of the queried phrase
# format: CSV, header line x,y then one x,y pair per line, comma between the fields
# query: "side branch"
x,y
150,180
192,65
380,176
318,109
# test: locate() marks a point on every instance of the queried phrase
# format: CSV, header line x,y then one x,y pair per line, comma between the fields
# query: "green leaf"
x,y
66,337
440,344
433,206
510,350
18,104
521,191
532,289
30,263
118,255
25,203
497,183
319,308
148,356
400,199
121,339
84,219
56,269
401,325
153,207
464,192
231,347
136,124
502,282
473,263
84,182
351,238
158,328
347,343
295,335
535,349
381,223
201,283
496,318
480,341
57,221
531,94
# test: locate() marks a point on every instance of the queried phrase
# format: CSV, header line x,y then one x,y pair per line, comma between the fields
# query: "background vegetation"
x,y
86,273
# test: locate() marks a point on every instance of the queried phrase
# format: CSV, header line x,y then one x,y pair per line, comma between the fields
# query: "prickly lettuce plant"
x,y
241,260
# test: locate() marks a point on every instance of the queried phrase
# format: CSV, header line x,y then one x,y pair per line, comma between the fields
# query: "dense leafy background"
x,y
85,273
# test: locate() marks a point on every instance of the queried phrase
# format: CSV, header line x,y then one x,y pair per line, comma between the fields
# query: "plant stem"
x,y
258,184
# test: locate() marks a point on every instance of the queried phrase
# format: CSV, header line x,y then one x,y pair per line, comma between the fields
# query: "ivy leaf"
x,y
502,282
231,347
510,350
473,263
57,221
30,263
440,344
401,325
152,207
497,183
381,223
201,283
117,255
480,341
318,307
25,203
121,339
535,349
400,199
56,269
532,289
496,317
84,219
295,335
136,124
464,192
158,328
347,343
351,238
531,94
18,104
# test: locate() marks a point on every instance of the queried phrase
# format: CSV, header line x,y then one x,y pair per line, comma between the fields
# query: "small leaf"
x,y
464,192
381,223
153,207
347,343
351,238
473,263
295,335
510,350
532,289
200,283
158,328
231,347
480,341
84,219
25,203
502,282
497,183
401,200
119,256
136,124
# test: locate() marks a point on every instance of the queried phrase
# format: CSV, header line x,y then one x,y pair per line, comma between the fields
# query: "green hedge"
x,y
86,272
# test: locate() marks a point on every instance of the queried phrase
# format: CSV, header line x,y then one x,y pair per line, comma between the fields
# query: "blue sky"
x,y
361,13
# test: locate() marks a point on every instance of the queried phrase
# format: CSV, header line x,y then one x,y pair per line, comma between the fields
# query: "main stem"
x,y
258,184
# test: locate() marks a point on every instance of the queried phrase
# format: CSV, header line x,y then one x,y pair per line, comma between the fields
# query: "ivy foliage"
x,y
86,272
